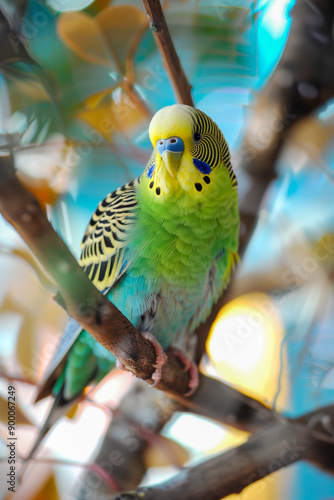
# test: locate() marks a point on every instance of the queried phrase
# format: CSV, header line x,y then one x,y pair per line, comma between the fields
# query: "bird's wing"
x,y
103,259
217,280
107,236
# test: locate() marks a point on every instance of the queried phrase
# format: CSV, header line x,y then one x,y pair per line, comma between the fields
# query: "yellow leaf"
x,y
72,411
164,452
109,39
128,111
82,34
116,113
48,491
122,25
20,417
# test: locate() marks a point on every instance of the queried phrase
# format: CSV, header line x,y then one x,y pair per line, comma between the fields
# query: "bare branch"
x,y
166,46
268,451
219,401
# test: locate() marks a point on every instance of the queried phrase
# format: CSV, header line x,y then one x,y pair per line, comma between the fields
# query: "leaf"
x,y
109,39
20,417
72,411
118,113
122,25
82,34
49,490
163,452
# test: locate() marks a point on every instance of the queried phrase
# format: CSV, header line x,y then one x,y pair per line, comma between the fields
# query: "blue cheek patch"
x,y
202,166
150,171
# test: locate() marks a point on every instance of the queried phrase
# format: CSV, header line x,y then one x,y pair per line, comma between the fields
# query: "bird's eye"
x,y
197,136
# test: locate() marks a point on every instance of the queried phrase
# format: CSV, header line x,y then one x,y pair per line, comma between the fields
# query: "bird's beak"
x,y
171,151
171,161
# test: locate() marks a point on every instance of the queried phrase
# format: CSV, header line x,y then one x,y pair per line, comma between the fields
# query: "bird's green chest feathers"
x,y
180,232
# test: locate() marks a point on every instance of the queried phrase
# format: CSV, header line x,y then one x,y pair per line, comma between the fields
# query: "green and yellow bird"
x,y
161,247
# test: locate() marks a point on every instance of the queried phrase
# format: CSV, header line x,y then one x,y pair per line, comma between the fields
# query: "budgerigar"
x,y
162,247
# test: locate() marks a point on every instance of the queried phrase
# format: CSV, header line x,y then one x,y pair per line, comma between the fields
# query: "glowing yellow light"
x,y
244,344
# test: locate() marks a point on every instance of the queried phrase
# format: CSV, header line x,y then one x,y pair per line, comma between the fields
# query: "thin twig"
x,y
165,43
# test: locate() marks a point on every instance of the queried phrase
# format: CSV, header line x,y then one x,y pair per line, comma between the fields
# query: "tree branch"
x,y
275,447
219,401
166,46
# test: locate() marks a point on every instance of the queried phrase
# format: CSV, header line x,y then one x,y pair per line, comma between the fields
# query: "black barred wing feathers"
x,y
107,236
103,248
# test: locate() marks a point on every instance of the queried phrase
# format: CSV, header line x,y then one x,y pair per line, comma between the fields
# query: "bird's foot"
x,y
160,359
190,366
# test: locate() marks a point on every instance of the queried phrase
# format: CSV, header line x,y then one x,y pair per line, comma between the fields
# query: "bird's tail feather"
x,y
59,407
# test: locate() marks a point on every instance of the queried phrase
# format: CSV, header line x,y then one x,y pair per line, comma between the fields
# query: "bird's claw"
x,y
190,366
161,357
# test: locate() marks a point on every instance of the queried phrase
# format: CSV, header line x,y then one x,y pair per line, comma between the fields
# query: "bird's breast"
x,y
176,246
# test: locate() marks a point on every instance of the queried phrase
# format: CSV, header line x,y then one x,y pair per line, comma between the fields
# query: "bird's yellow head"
x,y
190,153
